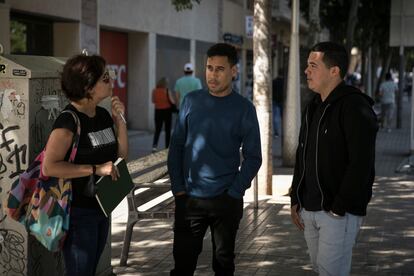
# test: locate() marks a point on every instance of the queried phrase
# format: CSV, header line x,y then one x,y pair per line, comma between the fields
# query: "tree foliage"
x,y
18,37
184,4
372,24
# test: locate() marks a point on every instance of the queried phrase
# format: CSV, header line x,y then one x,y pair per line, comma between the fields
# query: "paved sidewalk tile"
x,y
268,243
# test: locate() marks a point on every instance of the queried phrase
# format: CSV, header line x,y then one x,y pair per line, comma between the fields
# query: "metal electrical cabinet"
x,y
30,100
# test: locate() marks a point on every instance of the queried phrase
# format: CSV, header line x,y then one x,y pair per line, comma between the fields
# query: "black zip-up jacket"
x,y
345,153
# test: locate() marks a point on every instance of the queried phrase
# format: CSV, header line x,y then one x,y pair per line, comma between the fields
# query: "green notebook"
x,y
111,193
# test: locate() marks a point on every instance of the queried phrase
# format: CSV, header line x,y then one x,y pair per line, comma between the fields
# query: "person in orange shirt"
x,y
163,100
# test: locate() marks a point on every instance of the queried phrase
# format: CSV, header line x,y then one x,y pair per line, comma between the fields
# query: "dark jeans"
x,y
85,242
162,116
192,218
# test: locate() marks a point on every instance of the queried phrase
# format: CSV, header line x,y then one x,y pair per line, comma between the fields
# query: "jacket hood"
x,y
344,90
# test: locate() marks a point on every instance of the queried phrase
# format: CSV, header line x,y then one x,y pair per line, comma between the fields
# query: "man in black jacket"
x,y
335,162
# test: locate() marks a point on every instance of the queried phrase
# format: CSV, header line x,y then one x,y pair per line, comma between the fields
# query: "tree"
x,y
184,4
372,30
367,26
262,89
314,22
352,21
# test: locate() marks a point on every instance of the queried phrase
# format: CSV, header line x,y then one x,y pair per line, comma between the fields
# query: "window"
x,y
31,35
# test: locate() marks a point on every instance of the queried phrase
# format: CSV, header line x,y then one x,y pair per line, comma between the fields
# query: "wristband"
x,y
93,169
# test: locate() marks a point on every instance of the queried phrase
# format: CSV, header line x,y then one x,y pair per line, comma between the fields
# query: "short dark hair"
x,y
334,55
81,73
388,76
224,50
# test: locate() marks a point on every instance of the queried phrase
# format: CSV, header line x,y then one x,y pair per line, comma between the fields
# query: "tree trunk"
x,y
314,23
352,20
262,85
385,67
292,110
363,68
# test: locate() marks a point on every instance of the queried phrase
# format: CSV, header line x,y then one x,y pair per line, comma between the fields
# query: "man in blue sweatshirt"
x,y
207,179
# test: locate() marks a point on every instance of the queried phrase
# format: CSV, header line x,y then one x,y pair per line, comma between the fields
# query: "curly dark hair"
x,y
225,50
80,74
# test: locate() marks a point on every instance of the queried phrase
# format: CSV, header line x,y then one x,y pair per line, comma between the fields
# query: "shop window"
x,y
31,35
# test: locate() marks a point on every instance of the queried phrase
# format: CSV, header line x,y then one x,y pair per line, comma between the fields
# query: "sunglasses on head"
x,y
108,75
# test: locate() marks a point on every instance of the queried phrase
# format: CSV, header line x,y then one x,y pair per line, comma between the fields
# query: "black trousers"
x,y
162,116
192,218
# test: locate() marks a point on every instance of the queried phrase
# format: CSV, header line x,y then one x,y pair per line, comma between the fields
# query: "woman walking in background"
x,y
163,100
387,90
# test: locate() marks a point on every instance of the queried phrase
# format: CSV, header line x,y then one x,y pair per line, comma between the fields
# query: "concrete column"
x,y
141,79
243,73
291,118
5,27
89,26
193,54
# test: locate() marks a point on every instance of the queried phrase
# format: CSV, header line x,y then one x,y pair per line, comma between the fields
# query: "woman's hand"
x,y
108,168
118,109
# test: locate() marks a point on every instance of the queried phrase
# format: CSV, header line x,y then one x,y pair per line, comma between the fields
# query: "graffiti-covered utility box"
x,y
30,100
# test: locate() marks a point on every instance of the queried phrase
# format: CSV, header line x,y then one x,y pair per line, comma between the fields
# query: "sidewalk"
x,y
268,243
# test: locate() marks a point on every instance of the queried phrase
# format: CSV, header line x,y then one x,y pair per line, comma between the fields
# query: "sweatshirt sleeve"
x,y
176,151
360,128
252,154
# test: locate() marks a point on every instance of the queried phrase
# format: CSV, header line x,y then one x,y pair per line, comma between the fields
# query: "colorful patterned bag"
x,y
42,203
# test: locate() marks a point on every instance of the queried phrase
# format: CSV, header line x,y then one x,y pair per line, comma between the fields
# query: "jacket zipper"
x,y
304,160
317,148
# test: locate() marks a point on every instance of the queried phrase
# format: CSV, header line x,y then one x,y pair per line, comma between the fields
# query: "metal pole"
x,y
401,71
256,193
412,118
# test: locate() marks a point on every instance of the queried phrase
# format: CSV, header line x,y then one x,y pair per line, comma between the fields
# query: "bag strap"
x,y
77,135
168,96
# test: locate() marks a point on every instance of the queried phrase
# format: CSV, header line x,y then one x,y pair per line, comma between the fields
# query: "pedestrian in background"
x,y
387,92
207,180
278,86
335,162
186,84
162,99
103,138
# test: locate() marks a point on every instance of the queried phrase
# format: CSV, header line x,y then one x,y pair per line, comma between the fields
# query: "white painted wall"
x,y
159,16
233,18
66,39
406,8
5,27
59,8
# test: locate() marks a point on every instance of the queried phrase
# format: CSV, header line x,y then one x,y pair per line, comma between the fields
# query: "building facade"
x,y
142,40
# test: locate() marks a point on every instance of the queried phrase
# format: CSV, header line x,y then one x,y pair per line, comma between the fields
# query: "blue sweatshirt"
x,y
204,156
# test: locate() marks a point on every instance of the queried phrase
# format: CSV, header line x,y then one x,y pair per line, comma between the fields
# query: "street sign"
x,y
249,26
